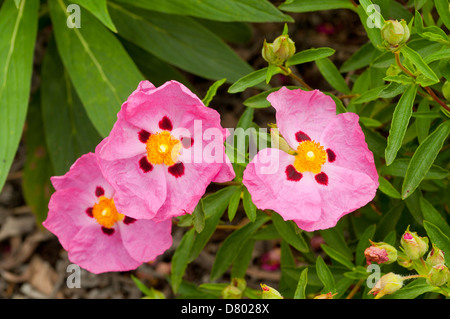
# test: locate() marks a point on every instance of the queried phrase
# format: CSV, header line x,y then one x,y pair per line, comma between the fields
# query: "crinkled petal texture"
x,y
154,190
122,247
347,181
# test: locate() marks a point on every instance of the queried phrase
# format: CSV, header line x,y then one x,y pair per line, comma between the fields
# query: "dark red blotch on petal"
x,y
187,142
143,136
331,155
292,174
99,191
108,231
302,136
322,178
177,169
128,220
165,124
89,212
145,165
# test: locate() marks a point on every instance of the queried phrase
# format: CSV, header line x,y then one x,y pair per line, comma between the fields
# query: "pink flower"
x,y
97,236
330,171
164,150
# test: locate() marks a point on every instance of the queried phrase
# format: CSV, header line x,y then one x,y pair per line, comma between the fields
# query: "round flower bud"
x,y
380,253
413,245
395,32
438,275
284,47
387,284
435,256
269,55
270,293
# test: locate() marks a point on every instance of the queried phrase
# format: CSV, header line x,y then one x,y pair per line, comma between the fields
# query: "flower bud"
x,y
270,293
325,296
395,33
231,292
381,253
269,55
279,51
404,260
387,284
446,90
413,245
438,275
435,256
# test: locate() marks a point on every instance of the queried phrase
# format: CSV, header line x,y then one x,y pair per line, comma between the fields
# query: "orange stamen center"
x,y
310,157
163,148
105,212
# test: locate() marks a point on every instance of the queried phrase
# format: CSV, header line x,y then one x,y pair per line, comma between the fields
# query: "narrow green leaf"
x,y
234,203
361,58
249,206
417,60
389,220
249,80
224,10
443,11
287,231
437,237
334,237
180,259
309,55
433,216
399,124
325,275
423,158
301,285
18,27
212,91
371,95
337,256
17,3
386,187
311,6
198,216
150,293
99,9
242,261
363,243
332,75
400,166
203,52
369,19
272,69
423,124
98,53
231,246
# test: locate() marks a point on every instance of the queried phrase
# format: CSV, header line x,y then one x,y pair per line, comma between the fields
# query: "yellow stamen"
x,y
162,148
105,212
310,157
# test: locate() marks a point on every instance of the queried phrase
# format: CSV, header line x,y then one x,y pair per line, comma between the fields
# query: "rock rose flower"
x,y
329,171
97,236
164,150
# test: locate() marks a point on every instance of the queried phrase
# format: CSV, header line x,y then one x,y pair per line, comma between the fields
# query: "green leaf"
x,y
337,256
198,216
412,290
423,124
151,293
311,6
203,52
231,246
399,124
68,131
234,203
37,170
438,238
361,58
93,50
389,220
224,10
249,206
433,216
287,231
242,261
370,95
372,31
443,11
423,158
332,75
363,243
212,91
418,62
309,55
301,285
400,166
99,9
334,237
386,187
18,27
325,275
180,259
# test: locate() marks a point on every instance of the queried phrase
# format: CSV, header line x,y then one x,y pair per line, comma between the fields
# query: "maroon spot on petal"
x,y
331,155
165,124
89,212
177,169
143,136
99,191
145,165
128,220
302,136
108,231
292,174
322,178
187,142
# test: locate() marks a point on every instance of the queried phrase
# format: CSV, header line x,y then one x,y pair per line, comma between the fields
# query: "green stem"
x,y
289,72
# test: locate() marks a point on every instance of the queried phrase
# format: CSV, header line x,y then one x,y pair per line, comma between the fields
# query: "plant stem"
x,y
289,72
355,289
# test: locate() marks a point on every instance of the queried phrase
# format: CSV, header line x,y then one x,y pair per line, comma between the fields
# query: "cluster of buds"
x,y
235,289
394,33
279,51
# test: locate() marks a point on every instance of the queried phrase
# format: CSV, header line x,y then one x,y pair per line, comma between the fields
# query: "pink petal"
x,y
343,135
138,194
145,240
266,180
97,252
304,111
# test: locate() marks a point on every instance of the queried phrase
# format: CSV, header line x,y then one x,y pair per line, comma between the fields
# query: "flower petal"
x,y
272,187
304,112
